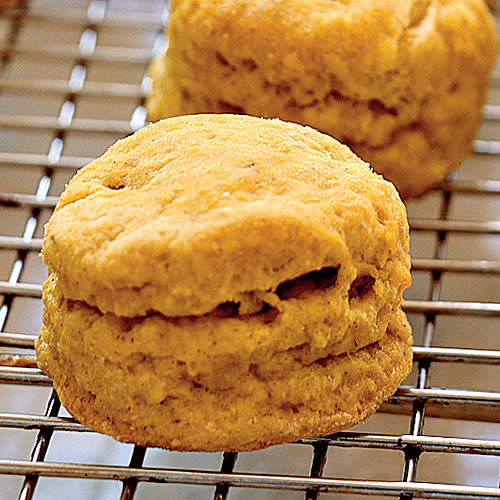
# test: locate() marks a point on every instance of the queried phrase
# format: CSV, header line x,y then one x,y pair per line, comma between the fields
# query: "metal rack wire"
x,y
63,99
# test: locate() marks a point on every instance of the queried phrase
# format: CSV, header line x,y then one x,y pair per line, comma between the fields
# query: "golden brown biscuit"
x,y
401,82
219,256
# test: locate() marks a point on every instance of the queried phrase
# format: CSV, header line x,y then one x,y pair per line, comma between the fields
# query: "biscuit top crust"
x,y
191,212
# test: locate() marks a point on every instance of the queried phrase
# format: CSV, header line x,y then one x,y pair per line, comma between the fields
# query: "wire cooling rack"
x,y
73,80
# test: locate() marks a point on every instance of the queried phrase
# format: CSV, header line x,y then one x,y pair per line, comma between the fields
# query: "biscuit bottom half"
x,y
119,377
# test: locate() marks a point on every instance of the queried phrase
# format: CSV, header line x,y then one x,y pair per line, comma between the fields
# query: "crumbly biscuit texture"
x,y
192,212
132,380
401,82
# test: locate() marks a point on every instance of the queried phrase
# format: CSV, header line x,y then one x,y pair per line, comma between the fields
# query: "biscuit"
x,y
401,82
209,272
